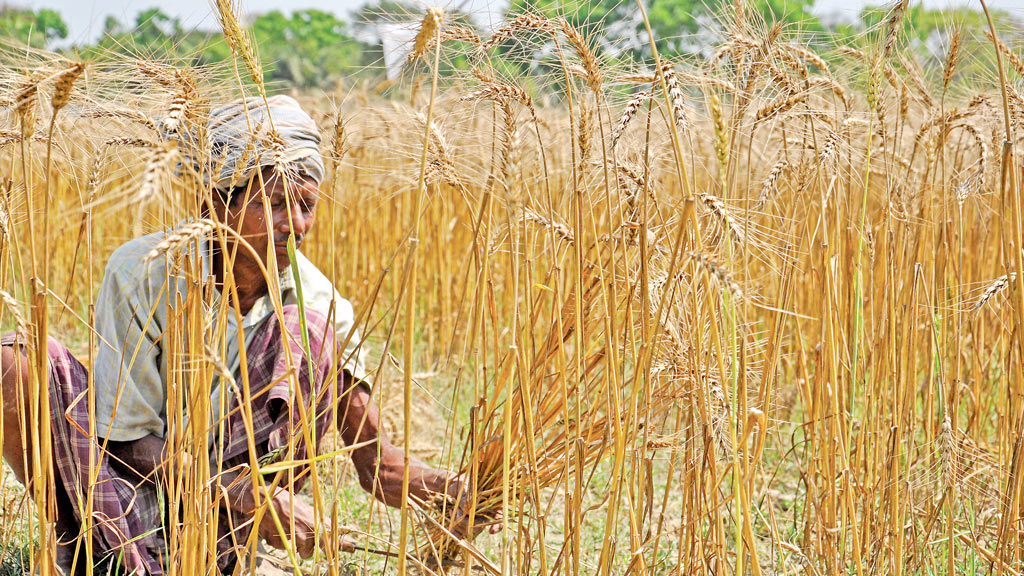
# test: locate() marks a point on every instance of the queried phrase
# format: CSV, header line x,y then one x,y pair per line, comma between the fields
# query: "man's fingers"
x,y
347,544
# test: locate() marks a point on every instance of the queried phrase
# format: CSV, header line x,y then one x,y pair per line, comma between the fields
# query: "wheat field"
x,y
752,312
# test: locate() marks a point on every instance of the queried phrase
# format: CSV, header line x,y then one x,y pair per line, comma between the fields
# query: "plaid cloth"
x,y
127,517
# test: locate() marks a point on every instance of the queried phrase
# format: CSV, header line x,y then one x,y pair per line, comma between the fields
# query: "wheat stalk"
x,y
675,95
181,238
19,320
631,109
996,287
952,58
432,19
592,72
157,166
779,107
769,185
64,84
529,21
238,40
719,272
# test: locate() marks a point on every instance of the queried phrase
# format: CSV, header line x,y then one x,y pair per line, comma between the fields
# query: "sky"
x,y
85,17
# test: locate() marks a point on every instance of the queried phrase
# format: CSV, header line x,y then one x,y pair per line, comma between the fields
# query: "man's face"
x,y
292,209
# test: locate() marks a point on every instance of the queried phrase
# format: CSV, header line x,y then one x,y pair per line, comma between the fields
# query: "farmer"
x,y
130,371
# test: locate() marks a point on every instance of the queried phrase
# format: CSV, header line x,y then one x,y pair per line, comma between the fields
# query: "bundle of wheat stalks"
x,y
756,311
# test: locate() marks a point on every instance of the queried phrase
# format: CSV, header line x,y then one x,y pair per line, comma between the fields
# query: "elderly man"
x,y
266,190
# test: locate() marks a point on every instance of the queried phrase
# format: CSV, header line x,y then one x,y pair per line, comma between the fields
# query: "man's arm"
x,y
380,463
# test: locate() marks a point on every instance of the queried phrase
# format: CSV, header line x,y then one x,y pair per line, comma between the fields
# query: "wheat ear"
x,y
11,305
181,238
996,287
238,40
64,84
675,95
431,20
632,107
768,186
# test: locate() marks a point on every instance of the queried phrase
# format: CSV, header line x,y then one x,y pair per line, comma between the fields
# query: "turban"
x,y
247,135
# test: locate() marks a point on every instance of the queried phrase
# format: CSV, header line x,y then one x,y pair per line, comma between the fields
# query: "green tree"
x,y
679,26
155,33
39,28
310,48
154,28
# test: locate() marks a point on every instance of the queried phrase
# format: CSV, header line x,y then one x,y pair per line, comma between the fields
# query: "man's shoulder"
x,y
317,289
137,248
314,281
128,264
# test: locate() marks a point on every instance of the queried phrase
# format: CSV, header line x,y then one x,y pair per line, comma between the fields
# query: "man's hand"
x,y
292,512
381,465
460,500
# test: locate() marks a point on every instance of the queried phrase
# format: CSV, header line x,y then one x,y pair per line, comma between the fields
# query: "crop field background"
x,y
753,311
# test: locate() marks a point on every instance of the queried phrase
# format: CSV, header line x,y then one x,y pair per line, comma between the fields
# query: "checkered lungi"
x,y
126,517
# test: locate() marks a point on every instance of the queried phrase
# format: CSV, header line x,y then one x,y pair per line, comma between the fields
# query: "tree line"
x,y
311,48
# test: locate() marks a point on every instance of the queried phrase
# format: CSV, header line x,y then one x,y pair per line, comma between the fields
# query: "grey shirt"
x,y
130,371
